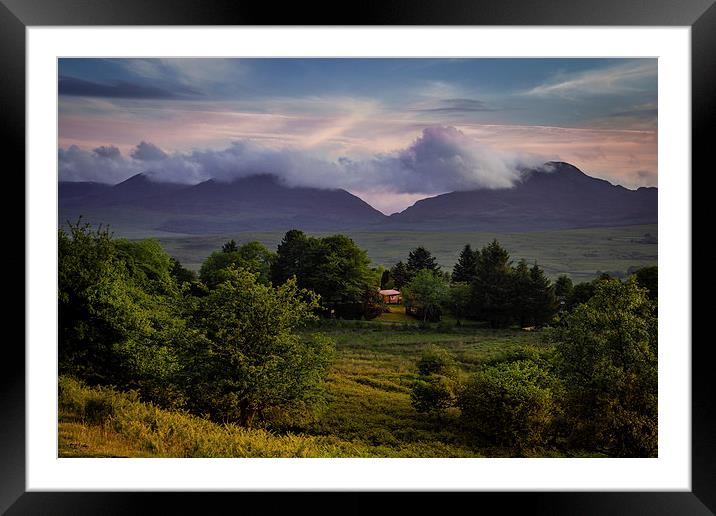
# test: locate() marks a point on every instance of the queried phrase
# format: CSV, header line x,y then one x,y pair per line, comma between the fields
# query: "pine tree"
x,y
543,298
492,288
230,247
419,259
466,267
523,301
399,275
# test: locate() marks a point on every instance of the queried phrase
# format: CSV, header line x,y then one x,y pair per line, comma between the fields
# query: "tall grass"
x,y
175,434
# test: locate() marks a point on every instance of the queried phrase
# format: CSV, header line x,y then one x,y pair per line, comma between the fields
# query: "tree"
x,y
492,288
420,259
563,287
544,305
523,295
117,320
465,269
252,256
435,389
511,403
229,247
334,267
581,293
385,279
399,274
648,278
292,257
426,293
253,359
606,354
459,300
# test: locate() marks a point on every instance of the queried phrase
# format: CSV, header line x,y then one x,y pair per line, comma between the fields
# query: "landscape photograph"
x,y
357,257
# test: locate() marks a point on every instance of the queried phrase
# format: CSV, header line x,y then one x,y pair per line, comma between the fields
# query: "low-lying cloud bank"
x,y
441,159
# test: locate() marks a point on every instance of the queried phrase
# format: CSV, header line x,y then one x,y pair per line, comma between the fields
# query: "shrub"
x,y
435,360
511,403
433,394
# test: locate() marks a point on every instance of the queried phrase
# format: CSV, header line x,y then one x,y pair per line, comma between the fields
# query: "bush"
x,y
435,360
512,404
433,394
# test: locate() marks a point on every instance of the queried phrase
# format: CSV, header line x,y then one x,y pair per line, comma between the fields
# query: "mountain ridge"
x,y
556,195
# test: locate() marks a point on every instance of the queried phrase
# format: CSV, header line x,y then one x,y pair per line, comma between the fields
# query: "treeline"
x,y
592,388
485,286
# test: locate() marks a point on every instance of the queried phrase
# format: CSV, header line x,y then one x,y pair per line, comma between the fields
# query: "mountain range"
x,y
554,196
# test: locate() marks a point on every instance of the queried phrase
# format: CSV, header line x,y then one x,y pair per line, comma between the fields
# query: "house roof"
x,y
389,292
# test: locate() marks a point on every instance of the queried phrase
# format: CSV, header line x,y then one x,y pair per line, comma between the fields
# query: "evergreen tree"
x,y
492,289
230,247
399,274
466,267
385,279
563,287
291,257
544,301
523,301
419,259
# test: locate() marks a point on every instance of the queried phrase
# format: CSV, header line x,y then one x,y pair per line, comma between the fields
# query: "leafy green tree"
x,y
147,263
426,293
606,354
492,287
421,259
399,275
465,269
511,404
252,256
253,359
334,267
117,321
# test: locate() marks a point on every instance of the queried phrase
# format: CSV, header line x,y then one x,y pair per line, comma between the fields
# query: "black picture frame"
x,y
700,15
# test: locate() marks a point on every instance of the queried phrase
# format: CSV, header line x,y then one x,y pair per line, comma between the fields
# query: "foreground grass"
x,y
367,411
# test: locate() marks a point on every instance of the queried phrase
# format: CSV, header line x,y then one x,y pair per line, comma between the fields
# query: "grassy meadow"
x,y
579,253
367,412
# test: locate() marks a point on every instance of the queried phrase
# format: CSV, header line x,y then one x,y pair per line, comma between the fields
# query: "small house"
x,y
390,296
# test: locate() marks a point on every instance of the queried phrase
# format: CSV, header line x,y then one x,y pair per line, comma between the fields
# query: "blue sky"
x,y
599,114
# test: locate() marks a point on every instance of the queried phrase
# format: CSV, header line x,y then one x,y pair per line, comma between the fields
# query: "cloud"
x,y
457,106
119,89
619,79
148,152
441,159
104,164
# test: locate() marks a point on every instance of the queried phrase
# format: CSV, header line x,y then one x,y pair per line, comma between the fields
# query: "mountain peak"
x,y
135,179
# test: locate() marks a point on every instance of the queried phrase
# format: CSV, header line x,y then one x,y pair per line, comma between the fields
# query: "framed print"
x,y
292,167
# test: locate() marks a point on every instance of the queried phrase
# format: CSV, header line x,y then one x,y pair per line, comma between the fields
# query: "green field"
x,y
367,411
579,253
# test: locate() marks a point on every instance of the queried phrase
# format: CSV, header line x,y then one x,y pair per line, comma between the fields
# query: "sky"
x,y
391,131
